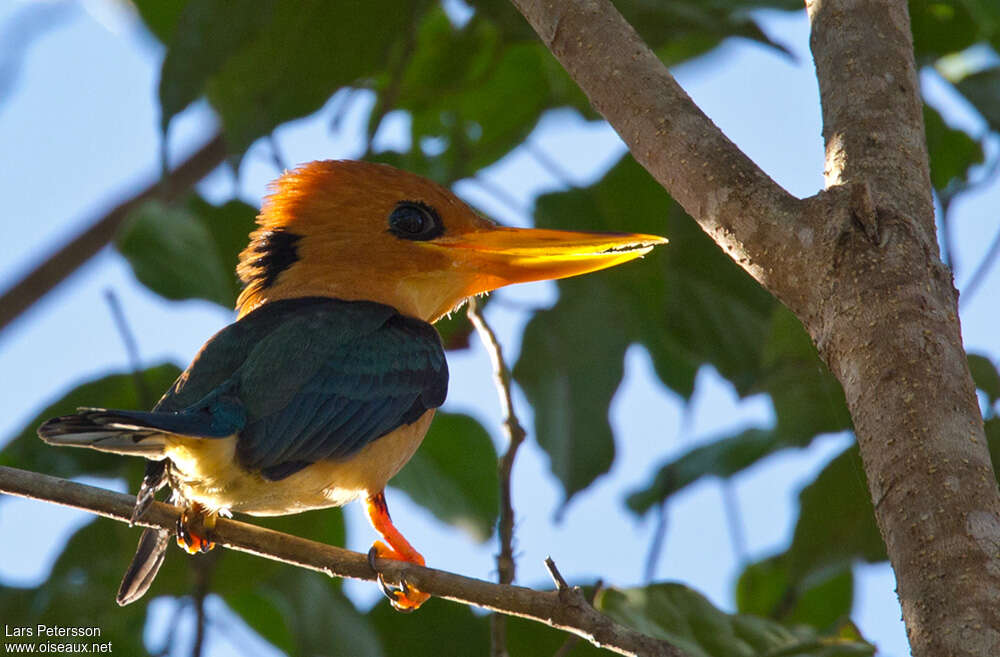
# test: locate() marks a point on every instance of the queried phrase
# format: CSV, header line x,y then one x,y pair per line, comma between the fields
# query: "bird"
x,y
324,386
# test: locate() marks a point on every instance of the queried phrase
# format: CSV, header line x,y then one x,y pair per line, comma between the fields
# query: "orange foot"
x,y
194,529
402,596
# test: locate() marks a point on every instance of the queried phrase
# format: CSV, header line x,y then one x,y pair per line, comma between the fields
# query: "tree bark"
x,y
858,263
890,333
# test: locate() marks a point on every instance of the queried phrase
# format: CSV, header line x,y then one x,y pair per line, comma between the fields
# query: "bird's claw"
x,y
402,596
194,531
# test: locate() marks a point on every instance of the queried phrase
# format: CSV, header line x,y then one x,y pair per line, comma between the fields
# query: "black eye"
x,y
413,220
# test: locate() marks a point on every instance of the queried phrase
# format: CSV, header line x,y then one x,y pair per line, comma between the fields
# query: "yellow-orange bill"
x,y
502,256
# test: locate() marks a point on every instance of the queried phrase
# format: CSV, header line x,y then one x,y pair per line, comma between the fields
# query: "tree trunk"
x,y
859,265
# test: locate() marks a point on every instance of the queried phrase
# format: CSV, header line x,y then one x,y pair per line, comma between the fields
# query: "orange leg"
x,y
403,598
194,529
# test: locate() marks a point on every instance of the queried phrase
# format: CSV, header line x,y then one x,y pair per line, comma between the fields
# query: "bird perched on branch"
x,y
327,382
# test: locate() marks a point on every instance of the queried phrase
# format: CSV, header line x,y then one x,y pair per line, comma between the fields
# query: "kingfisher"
x,y
324,386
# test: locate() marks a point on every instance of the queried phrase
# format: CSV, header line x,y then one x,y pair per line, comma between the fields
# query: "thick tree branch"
x,y
858,263
81,248
547,607
888,327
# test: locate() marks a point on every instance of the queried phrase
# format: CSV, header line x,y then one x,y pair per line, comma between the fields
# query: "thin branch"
x,y
81,248
556,576
131,348
204,568
981,270
386,101
542,606
172,625
550,165
515,433
280,163
731,505
947,196
501,195
656,545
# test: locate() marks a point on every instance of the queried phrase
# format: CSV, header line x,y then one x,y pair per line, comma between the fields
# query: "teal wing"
x,y
304,380
325,384
228,349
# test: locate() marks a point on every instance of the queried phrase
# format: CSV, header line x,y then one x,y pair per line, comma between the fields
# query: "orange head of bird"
x,y
357,230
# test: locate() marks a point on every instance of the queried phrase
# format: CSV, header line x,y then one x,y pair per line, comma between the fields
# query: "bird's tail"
x,y
145,564
131,433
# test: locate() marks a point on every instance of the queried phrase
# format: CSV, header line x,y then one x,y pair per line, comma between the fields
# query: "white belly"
x,y
205,470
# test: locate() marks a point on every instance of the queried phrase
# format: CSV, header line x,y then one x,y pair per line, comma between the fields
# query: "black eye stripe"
x,y
415,220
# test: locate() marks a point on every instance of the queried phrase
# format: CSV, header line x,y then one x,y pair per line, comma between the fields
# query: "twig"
x,y
280,163
736,534
947,196
501,195
515,433
542,606
979,274
386,101
81,248
656,545
204,567
550,165
131,348
556,576
175,618
235,634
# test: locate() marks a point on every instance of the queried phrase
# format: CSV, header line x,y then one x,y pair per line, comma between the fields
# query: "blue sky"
x,y
78,132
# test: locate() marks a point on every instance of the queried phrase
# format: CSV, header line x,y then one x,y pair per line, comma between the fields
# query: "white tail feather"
x,y
149,445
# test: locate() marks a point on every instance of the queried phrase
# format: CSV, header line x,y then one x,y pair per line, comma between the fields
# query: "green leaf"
x,y
822,601
722,458
458,82
686,619
454,475
687,303
992,428
81,589
237,571
208,32
439,628
113,391
952,152
763,588
161,16
458,85
189,251
306,51
320,618
985,376
982,89
941,27
679,31
836,522
808,401
264,610
570,367
268,595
